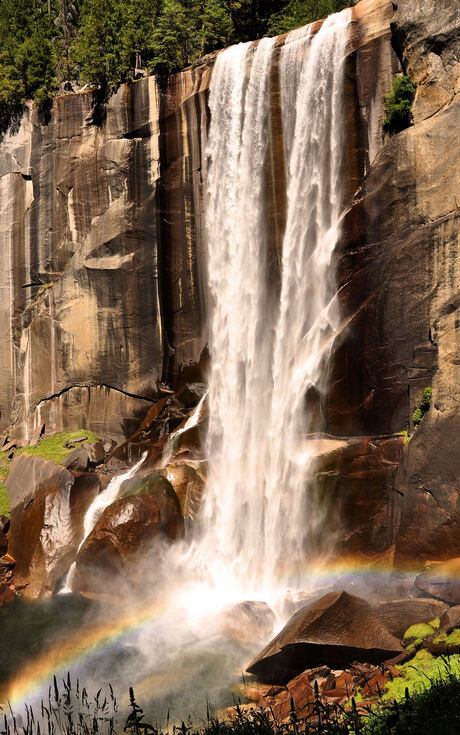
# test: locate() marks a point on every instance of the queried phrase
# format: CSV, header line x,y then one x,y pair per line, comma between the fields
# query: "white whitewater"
x,y
267,350
94,512
192,421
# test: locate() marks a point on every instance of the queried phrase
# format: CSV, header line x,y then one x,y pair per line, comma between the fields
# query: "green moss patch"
x,y
416,674
4,468
419,631
451,639
58,446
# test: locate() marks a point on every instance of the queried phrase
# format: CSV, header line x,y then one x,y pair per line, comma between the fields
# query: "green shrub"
x,y
423,407
398,105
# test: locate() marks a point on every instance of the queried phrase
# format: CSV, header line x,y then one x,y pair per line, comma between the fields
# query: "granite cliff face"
x,y
102,296
103,275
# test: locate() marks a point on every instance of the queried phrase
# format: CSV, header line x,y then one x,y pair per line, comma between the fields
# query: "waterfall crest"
x,y
269,351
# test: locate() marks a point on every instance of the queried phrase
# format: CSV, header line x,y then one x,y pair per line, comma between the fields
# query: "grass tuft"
x,y
54,446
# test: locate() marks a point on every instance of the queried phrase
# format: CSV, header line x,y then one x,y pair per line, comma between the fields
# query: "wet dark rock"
x,y
146,516
336,630
4,524
191,394
7,594
3,543
356,482
188,486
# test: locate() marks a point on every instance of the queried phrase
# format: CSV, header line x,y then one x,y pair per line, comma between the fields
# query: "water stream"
x,y
94,512
269,351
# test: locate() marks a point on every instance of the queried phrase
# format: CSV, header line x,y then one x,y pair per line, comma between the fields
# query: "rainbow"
x,y
73,649
84,643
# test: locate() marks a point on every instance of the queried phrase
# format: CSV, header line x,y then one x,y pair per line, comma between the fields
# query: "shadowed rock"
x,y
336,630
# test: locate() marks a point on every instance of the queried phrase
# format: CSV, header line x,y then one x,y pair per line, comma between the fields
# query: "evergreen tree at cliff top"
x,y
46,44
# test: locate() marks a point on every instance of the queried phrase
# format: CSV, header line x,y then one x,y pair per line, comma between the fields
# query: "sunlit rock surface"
x,y
48,504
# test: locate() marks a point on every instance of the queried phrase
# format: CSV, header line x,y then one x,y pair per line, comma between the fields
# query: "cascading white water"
x,y
192,421
94,512
268,346
269,349
259,514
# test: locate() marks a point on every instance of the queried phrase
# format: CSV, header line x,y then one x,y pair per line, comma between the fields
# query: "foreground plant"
x,y
433,709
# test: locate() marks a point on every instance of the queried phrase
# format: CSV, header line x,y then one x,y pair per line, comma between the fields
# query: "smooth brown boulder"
x,y
442,581
48,504
135,526
188,486
336,630
398,615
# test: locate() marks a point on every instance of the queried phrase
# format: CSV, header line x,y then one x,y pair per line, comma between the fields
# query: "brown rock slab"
x,y
398,615
146,515
301,692
48,504
77,460
337,629
442,581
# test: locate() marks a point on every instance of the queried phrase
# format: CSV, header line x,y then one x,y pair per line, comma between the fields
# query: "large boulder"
x,y
145,517
336,630
48,504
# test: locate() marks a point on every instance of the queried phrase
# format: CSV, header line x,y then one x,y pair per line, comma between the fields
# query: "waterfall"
x,y
270,350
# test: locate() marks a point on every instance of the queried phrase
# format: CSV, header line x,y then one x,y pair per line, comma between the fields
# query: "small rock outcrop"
x,y
334,631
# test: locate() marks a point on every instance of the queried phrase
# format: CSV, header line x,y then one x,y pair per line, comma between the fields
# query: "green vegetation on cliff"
x,y
58,446
399,105
423,407
47,46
